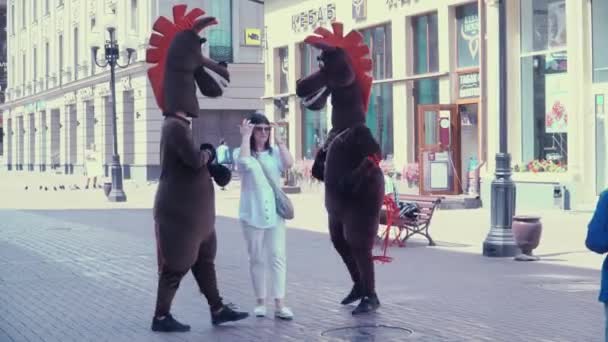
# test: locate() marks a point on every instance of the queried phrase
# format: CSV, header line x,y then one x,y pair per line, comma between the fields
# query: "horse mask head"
x,y
343,73
179,63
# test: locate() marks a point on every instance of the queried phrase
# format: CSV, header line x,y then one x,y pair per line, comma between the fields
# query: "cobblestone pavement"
x,y
89,275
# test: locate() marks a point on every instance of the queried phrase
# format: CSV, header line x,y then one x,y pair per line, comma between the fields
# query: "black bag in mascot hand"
x,y
221,174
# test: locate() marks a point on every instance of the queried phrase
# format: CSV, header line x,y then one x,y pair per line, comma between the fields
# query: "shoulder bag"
x,y
283,203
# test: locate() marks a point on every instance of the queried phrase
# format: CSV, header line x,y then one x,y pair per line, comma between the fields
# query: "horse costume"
x,y
184,206
348,162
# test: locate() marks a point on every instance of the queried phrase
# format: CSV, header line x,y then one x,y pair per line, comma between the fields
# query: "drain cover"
x,y
365,333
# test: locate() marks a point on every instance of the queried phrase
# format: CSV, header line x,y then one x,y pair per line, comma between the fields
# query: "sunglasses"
x,y
262,128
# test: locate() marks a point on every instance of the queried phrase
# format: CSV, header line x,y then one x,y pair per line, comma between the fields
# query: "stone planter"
x,y
107,187
527,231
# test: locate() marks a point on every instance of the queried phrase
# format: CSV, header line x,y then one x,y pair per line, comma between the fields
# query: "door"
x,y
439,150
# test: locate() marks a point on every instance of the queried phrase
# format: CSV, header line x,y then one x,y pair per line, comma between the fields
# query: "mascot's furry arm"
x,y
175,49
369,151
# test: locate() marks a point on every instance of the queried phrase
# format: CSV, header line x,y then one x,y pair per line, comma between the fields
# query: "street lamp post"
x,y
499,241
117,194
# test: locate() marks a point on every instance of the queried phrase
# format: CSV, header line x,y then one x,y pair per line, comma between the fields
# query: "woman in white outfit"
x,y
263,228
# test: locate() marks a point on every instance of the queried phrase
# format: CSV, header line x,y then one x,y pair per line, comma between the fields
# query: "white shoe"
x,y
284,313
259,311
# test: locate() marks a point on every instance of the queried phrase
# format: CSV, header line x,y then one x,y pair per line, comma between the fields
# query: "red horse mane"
x,y
161,40
355,48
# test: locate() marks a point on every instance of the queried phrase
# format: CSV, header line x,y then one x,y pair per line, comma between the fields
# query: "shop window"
x,y
314,123
220,36
379,116
543,25
544,94
467,25
283,69
378,39
426,43
600,44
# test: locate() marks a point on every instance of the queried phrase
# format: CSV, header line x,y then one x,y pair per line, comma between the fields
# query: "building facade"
x,y
434,105
426,67
58,101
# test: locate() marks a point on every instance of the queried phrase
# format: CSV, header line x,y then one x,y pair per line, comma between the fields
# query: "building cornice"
x,y
97,79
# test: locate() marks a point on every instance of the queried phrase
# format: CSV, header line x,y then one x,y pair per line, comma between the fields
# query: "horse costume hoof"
x,y
168,324
227,314
367,304
352,297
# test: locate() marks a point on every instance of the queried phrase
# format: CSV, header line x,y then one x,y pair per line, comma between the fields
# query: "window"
x,y
60,71
46,6
543,25
283,54
12,19
47,57
544,85
75,53
379,116
59,3
599,10
379,41
426,60
314,124
12,69
23,14
134,15
35,63
426,47
23,68
34,10
220,36
467,26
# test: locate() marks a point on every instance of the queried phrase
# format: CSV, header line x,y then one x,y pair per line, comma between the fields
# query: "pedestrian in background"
x,y
597,241
263,228
93,166
223,156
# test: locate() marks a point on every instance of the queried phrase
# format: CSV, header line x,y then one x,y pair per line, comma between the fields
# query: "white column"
x,y
402,139
63,138
581,159
44,132
492,85
81,127
445,52
10,144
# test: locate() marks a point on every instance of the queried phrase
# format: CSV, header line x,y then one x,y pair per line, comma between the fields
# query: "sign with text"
x,y
318,16
253,37
397,3
468,85
359,9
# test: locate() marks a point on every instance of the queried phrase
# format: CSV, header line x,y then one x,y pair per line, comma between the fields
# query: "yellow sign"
x,y
253,36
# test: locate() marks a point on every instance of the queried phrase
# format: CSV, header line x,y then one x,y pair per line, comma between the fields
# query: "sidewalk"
x,y
562,240
89,275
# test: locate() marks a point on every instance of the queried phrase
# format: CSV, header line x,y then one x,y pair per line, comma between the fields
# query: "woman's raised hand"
x,y
246,128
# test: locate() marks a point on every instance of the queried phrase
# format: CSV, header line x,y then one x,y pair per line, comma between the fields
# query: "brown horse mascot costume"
x,y
348,162
184,207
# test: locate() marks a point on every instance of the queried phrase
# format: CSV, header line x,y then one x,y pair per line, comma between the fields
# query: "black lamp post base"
x,y
500,241
116,194
497,249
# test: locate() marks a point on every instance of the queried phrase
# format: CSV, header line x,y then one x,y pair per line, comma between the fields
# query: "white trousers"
x,y
266,247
